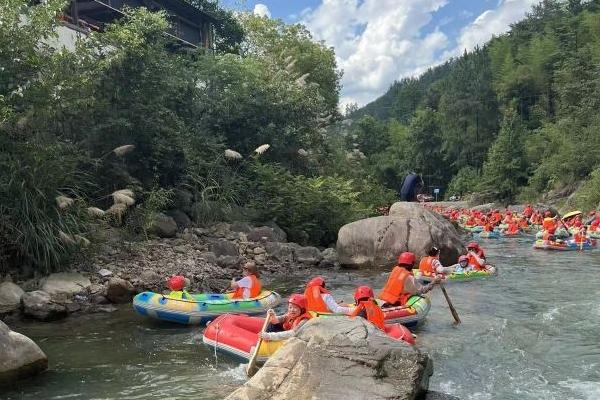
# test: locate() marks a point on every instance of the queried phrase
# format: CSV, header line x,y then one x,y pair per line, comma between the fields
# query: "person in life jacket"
x,y
580,236
284,326
513,228
577,222
528,211
549,222
476,256
462,266
595,225
177,286
249,286
401,284
318,298
431,265
367,307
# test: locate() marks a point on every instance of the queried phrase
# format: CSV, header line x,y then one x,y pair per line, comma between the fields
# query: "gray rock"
x,y
180,249
260,259
330,258
439,396
258,250
240,227
105,273
65,284
266,233
209,257
485,207
282,252
10,297
20,357
224,248
409,227
308,255
163,226
150,277
228,261
181,218
39,305
221,229
183,200
354,360
119,290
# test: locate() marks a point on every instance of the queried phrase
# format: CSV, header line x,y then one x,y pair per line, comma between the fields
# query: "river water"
x,y
533,332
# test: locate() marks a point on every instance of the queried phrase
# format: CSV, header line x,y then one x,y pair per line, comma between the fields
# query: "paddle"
x,y
452,309
562,222
252,368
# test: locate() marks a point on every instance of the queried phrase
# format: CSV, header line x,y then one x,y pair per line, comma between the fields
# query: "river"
x,y
533,332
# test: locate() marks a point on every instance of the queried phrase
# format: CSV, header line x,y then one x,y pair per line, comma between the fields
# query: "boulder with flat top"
x,y
20,357
340,358
410,227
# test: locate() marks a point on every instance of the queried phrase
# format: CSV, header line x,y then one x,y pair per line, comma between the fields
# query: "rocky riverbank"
x,y
118,269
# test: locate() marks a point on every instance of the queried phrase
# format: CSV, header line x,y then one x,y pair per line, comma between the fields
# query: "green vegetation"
x,y
515,119
126,126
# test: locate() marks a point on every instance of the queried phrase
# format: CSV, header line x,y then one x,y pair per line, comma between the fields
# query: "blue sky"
x,y
380,41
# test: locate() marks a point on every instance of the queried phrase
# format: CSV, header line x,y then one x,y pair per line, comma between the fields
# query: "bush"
x,y
464,182
587,197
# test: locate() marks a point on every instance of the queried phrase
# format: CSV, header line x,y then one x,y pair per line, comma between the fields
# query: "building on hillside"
x,y
189,26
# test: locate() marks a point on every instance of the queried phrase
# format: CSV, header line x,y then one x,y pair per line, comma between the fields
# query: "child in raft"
x,y
318,298
249,286
284,326
177,285
462,266
367,307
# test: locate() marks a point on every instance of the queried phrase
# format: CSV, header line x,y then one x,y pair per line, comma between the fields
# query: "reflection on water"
x,y
530,333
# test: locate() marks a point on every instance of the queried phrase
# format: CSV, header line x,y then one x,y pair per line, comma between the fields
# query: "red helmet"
x,y
473,245
299,300
316,281
547,214
176,282
406,258
363,292
463,258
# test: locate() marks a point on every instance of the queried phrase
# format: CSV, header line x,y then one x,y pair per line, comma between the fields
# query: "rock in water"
x,y
20,357
119,290
409,227
10,297
39,305
340,358
65,284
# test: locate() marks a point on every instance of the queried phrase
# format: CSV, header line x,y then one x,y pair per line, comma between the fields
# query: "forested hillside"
x,y
515,119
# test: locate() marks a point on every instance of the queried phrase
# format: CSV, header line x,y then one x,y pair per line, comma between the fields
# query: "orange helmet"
x,y
406,258
473,245
316,281
363,292
298,300
176,282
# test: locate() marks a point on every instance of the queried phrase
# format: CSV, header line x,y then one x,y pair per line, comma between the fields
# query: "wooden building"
x,y
189,26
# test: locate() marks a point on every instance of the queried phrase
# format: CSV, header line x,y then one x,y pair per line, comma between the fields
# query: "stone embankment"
x,y
114,273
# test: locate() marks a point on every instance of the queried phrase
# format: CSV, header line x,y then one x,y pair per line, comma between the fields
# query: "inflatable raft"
x,y
489,235
460,276
410,315
202,308
561,233
563,246
237,334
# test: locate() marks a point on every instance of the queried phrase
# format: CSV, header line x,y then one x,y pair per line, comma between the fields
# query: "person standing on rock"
x,y
284,326
318,298
411,185
249,286
401,284
367,308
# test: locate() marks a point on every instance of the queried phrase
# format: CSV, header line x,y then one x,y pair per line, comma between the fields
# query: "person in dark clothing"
x,y
410,187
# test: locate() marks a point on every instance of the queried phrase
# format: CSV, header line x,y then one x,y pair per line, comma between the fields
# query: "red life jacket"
x,y
474,263
373,311
426,266
255,289
393,291
291,323
314,301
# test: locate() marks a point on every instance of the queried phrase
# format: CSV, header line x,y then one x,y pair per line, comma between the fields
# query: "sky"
x,y
380,41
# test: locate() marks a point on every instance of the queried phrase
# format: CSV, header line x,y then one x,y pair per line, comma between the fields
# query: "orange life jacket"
x,y
291,323
474,263
373,311
314,301
393,291
426,266
255,289
549,224
579,238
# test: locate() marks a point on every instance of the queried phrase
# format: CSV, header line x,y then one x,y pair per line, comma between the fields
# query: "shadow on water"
x,y
530,333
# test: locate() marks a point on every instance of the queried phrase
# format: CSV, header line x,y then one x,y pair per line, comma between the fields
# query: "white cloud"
x,y
493,22
262,10
377,41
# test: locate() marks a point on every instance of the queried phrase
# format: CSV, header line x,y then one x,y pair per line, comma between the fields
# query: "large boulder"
x,y
39,305
65,284
224,247
282,252
267,233
163,226
10,297
308,255
410,227
119,290
181,218
20,357
340,358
